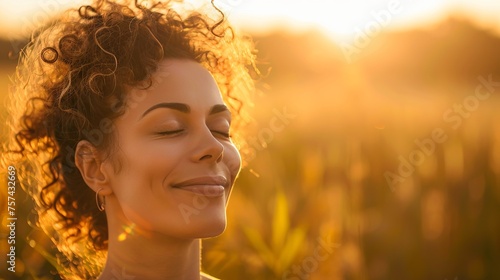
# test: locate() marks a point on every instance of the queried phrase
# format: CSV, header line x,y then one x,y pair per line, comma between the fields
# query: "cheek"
x,y
139,187
144,167
232,160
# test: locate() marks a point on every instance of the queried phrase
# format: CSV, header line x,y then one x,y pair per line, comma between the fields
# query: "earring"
x,y
100,205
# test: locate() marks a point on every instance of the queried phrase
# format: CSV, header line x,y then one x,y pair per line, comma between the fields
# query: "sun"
x,y
338,19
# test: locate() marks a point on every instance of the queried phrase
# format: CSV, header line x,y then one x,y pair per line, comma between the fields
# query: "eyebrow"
x,y
218,108
175,106
184,108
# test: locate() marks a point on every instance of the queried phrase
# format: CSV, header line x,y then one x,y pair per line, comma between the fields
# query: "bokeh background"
x,y
376,150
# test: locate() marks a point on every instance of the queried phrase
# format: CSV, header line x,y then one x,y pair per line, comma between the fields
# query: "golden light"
x,y
338,19
342,20
127,230
19,18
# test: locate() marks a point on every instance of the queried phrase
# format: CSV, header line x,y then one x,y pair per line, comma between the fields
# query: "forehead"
x,y
177,81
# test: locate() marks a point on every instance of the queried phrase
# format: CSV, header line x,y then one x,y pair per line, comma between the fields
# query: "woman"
x,y
121,120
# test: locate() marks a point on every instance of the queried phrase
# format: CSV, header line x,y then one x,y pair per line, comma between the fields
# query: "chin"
x,y
206,226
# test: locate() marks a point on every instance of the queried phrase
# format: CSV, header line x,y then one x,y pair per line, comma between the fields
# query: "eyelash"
x,y
163,133
226,135
167,133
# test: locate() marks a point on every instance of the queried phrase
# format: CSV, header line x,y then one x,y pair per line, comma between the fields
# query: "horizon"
x,y
346,51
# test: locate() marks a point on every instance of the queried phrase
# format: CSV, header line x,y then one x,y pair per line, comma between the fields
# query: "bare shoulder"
x,y
205,276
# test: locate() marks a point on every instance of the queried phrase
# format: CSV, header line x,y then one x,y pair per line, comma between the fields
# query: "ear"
x,y
90,163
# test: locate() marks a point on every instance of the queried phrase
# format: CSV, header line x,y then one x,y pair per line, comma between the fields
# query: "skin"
x,y
174,159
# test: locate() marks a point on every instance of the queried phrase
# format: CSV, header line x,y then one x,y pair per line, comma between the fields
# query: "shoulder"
x,y
205,276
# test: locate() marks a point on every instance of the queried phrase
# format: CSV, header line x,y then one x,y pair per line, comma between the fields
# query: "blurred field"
x,y
319,179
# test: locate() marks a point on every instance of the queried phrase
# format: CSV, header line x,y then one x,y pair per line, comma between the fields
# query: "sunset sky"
x,y
339,19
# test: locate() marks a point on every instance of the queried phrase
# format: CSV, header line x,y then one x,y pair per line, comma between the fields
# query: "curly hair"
x,y
72,81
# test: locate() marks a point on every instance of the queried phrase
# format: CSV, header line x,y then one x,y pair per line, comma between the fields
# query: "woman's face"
x,y
178,164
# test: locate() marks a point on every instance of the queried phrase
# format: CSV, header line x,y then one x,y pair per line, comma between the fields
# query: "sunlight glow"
x,y
18,18
338,19
342,19
127,230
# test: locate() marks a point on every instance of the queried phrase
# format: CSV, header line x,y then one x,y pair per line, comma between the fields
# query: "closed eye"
x,y
170,132
174,132
224,134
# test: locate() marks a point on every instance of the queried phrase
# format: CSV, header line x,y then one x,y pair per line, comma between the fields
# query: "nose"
x,y
207,148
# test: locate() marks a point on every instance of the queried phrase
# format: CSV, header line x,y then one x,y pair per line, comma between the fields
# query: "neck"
x,y
150,256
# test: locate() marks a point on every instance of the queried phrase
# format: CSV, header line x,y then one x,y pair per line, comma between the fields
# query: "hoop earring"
x,y
100,205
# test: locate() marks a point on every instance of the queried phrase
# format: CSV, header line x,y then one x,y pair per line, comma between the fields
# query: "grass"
x,y
321,180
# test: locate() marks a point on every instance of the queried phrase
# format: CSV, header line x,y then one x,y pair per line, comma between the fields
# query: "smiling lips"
x,y
210,186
